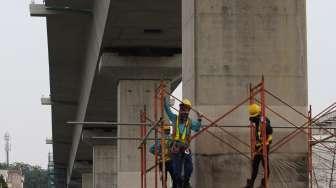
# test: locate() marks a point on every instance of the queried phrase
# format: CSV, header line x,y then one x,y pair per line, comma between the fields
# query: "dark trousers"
x,y
182,168
168,165
255,166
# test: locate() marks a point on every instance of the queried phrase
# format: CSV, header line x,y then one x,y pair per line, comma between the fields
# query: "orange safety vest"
x,y
269,137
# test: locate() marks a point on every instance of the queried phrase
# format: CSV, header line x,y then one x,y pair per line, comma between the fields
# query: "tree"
x,y
34,176
3,183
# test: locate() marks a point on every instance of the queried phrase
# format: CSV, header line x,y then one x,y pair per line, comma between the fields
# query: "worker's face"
x,y
184,111
167,132
254,119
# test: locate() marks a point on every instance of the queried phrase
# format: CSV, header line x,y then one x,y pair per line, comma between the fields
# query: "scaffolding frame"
x,y
320,147
147,126
254,91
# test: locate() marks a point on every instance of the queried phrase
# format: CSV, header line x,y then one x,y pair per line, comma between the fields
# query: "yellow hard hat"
x,y
254,110
186,102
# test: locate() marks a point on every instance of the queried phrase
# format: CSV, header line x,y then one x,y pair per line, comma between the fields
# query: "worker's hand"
x,y
171,101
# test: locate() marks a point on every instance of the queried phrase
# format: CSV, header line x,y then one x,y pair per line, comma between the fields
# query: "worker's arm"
x,y
269,131
152,148
170,114
196,125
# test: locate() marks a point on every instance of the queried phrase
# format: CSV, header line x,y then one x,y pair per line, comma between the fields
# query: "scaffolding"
x,y
323,159
51,173
257,94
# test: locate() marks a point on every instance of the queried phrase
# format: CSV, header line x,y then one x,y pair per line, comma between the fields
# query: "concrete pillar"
x,y
132,96
87,180
227,44
105,166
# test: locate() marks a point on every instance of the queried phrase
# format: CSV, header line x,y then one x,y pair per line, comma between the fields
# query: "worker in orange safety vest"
x,y
256,119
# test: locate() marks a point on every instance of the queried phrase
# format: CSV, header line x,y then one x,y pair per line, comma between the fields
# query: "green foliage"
x,y
3,184
3,166
34,176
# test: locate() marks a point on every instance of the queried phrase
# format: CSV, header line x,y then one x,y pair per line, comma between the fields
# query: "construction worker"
x,y
157,145
256,119
181,157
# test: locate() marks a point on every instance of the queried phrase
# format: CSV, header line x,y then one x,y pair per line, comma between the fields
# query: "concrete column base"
x,y
105,166
87,180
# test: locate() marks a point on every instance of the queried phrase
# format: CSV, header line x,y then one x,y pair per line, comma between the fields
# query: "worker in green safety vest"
x,y
181,158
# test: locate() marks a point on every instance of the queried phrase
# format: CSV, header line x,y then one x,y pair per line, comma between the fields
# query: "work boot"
x,y
248,184
186,184
262,183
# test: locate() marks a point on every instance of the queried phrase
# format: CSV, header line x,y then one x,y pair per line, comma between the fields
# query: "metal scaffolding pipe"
x,y
104,123
149,131
120,138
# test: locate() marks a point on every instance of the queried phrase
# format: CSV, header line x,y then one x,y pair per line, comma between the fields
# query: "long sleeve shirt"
x,y
195,124
157,144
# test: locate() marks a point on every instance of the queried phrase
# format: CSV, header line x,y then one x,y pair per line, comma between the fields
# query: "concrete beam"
x,y
83,166
100,14
145,68
41,10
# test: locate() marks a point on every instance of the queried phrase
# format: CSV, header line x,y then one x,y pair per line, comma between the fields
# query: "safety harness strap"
x,y
185,133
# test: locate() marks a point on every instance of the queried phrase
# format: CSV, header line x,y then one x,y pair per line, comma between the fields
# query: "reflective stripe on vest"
x,y
178,136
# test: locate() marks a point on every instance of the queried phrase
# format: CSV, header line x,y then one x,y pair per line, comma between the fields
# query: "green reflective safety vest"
x,y
185,132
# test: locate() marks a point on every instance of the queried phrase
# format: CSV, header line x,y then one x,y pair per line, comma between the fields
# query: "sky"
x,y
24,74
24,78
321,53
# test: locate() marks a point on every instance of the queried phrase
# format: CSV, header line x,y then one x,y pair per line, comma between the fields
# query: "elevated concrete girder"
x,y
100,14
65,68
40,10
77,4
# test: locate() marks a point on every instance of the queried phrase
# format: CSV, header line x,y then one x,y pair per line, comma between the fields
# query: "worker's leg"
x,y
161,173
188,169
268,167
177,168
169,168
255,167
254,171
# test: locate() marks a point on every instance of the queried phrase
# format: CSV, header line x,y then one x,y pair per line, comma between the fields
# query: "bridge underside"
x,y
80,33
